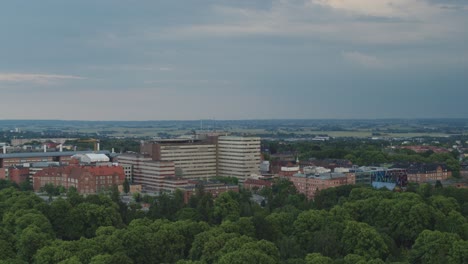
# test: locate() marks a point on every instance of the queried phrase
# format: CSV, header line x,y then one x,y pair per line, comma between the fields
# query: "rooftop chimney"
x,y
45,148
4,149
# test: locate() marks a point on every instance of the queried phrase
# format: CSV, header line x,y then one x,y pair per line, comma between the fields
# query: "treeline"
x,y
348,224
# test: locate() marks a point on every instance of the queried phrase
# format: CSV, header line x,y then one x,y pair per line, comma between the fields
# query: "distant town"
x,y
187,157
255,191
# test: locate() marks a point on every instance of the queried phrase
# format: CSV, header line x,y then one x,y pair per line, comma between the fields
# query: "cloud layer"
x,y
235,59
35,78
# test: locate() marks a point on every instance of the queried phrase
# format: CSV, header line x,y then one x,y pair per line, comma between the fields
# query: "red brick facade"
x,y
85,179
18,175
258,184
309,186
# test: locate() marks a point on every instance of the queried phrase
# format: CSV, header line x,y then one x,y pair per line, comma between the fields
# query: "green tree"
x,y
226,208
432,247
458,253
126,186
31,239
317,258
362,239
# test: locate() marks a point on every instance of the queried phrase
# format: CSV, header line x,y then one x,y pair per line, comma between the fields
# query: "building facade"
x,y
214,188
311,184
427,173
19,159
153,176
193,159
86,179
214,155
238,156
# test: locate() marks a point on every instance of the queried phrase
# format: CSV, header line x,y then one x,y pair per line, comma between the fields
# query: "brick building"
x,y
420,173
309,184
86,179
215,188
251,184
18,174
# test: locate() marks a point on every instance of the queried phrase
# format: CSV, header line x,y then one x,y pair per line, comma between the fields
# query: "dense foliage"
x,y
348,224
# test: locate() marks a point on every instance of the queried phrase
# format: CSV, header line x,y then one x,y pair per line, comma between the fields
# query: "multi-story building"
x,y
211,156
238,156
310,184
153,176
381,177
86,179
193,159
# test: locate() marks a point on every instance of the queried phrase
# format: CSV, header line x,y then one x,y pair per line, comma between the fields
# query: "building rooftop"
x,y
322,176
176,140
49,154
238,138
95,157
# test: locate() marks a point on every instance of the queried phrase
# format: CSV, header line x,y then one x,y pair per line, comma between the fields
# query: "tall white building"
x,y
208,157
238,156
193,159
152,175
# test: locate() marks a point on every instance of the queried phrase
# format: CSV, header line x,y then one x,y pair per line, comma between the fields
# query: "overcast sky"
x,y
238,59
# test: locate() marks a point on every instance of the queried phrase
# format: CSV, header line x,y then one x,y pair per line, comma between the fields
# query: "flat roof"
x,y
48,154
321,176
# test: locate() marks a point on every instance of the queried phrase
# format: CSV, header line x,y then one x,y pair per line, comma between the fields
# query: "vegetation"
x,y
348,224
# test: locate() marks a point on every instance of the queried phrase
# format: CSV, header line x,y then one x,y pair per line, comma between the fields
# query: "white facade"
x,y
315,170
192,161
150,174
238,156
92,158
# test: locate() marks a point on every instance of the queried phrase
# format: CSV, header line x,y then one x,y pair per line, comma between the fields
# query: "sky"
x,y
237,59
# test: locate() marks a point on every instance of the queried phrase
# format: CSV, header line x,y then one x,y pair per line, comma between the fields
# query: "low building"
x,y
315,170
19,159
464,170
86,179
420,173
327,163
134,188
252,184
288,171
381,177
310,184
214,188
423,149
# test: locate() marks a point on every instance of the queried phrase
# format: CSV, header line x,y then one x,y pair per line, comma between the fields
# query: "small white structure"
x,y
316,170
94,158
265,166
341,170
